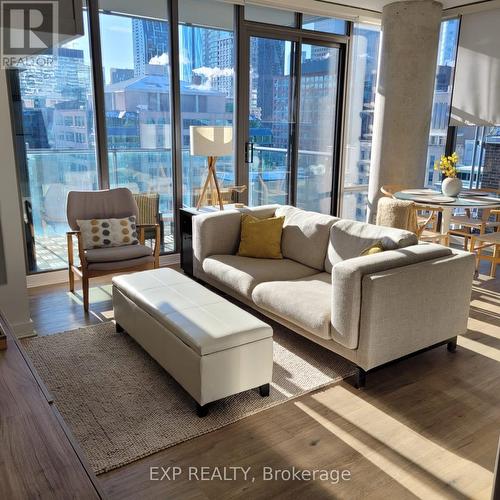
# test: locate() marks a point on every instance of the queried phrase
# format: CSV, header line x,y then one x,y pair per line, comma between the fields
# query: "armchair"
x,y
112,203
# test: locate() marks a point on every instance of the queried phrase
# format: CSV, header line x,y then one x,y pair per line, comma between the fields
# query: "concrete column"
x,y
403,104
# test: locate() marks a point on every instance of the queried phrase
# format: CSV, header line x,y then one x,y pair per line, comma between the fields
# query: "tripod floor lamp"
x,y
213,142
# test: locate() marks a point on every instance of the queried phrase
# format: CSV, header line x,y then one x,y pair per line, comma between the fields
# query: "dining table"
x,y
466,199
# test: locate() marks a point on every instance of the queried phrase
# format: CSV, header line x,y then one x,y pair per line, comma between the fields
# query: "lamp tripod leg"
x,y
219,197
203,191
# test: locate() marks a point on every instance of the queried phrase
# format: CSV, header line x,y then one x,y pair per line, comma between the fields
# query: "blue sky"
x,y
116,43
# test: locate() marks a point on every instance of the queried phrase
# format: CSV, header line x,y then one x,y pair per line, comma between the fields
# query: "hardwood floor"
x,y
424,427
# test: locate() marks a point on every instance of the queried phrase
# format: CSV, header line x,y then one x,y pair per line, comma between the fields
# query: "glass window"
x,y
325,24
135,57
270,16
317,127
207,97
359,133
53,104
270,107
447,49
478,150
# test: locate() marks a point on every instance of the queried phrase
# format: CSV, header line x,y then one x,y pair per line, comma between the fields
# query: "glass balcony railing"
x,y
53,173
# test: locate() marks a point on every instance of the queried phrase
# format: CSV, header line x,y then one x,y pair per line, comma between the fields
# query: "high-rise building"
x,y
150,39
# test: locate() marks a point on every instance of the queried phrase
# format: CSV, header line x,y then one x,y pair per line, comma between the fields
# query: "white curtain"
x,y
476,94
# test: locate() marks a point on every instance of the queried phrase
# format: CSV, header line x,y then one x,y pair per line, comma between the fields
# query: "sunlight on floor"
x,y
479,348
423,467
484,328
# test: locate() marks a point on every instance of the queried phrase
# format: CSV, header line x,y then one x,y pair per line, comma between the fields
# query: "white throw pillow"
x,y
102,233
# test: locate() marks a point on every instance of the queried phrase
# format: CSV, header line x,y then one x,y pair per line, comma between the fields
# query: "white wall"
x,y
14,294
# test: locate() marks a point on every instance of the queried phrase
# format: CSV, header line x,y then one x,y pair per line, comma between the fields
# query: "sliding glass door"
x,y
292,117
317,129
270,119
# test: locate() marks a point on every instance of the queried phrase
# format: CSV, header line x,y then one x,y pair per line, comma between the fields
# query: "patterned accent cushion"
x,y
99,233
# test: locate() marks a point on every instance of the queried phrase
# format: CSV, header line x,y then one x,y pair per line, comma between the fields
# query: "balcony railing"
x,y
52,173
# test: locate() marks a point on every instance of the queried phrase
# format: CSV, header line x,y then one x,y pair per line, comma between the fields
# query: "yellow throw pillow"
x,y
261,238
377,247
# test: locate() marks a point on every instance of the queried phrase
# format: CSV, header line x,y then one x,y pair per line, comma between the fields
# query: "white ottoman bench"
x,y
210,346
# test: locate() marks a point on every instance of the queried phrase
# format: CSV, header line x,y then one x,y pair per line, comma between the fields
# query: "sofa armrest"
x,y
214,233
405,310
347,277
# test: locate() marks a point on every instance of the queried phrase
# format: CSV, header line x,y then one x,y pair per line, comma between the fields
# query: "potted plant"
x,y
451,184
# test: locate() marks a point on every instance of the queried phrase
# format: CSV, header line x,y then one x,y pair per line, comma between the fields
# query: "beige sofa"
x,y
371,309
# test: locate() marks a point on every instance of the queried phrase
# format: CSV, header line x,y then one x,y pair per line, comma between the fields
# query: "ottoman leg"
x,y
264,390
201,411
119,328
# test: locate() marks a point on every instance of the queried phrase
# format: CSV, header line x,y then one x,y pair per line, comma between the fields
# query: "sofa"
x,y
369,309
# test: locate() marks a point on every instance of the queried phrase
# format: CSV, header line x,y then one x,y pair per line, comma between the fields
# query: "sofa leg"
x,y
452,345
119,328
201,410
264,390
360,378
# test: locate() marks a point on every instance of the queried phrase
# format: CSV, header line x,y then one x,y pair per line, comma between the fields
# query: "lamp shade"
x,y
211,141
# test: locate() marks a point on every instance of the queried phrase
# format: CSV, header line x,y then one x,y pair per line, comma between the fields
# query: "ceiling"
x,y
377,5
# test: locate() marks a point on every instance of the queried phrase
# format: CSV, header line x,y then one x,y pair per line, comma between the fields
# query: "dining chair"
x,y
425,214
486,240
402,214
94,262
469,222
149,213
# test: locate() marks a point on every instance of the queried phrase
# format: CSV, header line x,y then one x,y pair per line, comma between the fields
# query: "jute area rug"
x,y
122,406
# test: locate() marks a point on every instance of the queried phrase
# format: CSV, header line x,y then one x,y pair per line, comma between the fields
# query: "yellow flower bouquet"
x,y
447,165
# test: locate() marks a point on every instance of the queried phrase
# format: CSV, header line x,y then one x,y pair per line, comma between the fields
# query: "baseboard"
x,y
58,277
23,330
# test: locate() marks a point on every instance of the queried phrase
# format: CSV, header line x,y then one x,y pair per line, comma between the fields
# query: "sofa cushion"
x,y
349,238
243,274
305,302
261,238
305,236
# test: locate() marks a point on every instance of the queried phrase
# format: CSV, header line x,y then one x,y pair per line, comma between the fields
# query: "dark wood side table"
x,y
186,223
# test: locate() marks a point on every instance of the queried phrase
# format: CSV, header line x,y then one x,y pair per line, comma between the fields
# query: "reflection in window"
x,y
135,56
58,151
363,64
447,49
317,127
479,151
207,89
325,24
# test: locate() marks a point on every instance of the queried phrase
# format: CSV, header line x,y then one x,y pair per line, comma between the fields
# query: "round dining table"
x,y
466,200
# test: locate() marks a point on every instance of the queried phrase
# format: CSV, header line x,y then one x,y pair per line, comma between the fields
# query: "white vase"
x,y
451,186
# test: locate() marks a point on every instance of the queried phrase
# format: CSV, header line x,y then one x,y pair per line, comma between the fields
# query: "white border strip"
x,y
58,277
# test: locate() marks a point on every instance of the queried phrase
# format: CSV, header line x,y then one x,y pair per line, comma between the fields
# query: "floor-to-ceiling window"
x,y
319,86
135,52
270,116
53,106
292,110
207,87
447,50
359,132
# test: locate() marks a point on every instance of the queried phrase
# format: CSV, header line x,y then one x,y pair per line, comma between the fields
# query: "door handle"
x,y
248,152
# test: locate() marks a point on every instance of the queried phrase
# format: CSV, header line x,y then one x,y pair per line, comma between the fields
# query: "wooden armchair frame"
x,y
85,274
